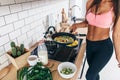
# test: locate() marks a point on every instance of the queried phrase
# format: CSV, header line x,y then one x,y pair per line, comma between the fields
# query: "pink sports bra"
x,y
103,20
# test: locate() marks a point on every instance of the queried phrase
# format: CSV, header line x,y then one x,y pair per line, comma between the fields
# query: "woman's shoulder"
x,y
89,2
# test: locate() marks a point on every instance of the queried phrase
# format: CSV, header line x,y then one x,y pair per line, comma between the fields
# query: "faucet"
x,y
70,9
75,6
73,18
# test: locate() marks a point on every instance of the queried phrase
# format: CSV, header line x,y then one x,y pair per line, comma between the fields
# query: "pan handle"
x,y
82,35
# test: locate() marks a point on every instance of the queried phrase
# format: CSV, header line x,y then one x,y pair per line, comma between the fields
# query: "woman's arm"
x,y
116,40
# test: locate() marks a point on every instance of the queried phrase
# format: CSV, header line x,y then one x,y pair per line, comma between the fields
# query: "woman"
x,y
101,16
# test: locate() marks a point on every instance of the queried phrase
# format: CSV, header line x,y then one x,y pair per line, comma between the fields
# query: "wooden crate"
x,y
20,61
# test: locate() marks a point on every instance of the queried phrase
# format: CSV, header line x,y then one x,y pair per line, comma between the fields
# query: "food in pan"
x,y
64,39
73,44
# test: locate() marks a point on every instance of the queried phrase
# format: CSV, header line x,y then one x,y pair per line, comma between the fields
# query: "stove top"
x,y
60,52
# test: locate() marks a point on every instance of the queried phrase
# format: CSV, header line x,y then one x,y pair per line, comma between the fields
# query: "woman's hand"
x,y
118,59
78,25
73,27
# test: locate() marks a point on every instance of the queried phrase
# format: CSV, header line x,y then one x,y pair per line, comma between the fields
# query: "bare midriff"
x,y
96,33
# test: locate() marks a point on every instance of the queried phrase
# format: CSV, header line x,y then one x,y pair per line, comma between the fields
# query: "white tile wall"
x,y
4,39
20,1
4,65
4,10
14,34
11,18
7,46
3,58
28,42
35,4
22,38
15,8
2,21
19,24
29,20
26,6
4,2
6,29
25,21
25,29
33,25
23,14
2,51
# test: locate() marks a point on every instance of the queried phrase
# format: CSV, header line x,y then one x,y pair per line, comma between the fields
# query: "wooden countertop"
x,y
11,75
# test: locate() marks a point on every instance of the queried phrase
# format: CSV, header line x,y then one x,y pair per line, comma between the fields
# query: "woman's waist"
x,y
97,38
96,35
99,41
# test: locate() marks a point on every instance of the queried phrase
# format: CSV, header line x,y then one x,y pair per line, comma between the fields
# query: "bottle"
x,y
42,53
64,17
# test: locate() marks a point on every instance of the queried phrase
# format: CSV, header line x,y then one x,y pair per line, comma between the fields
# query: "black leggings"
x,y
98,54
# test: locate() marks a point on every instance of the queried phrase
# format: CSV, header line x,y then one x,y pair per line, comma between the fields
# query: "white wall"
x,y
24,21
84,7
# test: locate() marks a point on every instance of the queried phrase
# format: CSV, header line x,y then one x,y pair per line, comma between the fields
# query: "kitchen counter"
x,y
11,75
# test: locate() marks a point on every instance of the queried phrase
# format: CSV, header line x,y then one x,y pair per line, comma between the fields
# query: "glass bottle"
x,y
42,53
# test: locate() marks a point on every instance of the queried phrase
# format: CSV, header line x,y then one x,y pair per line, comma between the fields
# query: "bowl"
x,y
67,69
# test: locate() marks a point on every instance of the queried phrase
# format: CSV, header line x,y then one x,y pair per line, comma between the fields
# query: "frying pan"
x,y
63,34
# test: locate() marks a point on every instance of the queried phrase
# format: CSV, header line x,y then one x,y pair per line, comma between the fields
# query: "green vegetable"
x,y
66,71
37,72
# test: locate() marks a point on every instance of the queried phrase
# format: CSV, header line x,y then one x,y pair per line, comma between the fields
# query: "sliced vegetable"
x,y
66,71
